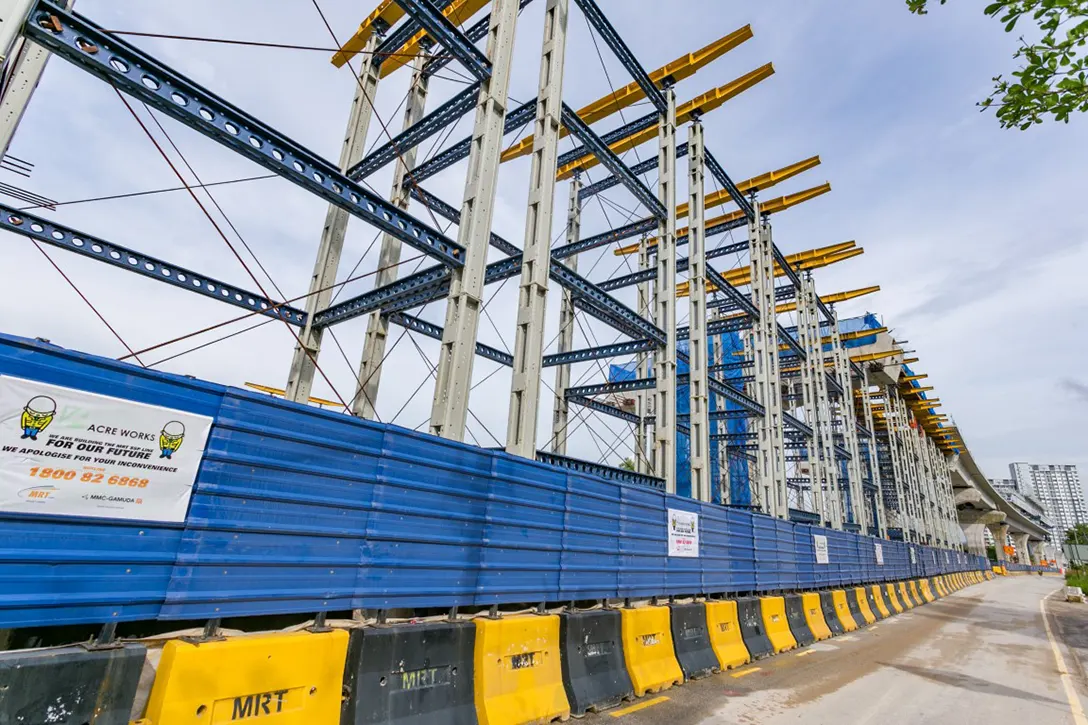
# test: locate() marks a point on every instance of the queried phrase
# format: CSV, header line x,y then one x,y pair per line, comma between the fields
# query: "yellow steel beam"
x,y
912,378
388,11
772,206
917,391
910,360
683,67
279,392
858,333
742,275
705,103
756,183
831,299
873,356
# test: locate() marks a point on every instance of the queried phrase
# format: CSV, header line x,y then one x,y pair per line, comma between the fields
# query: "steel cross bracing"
x,y
412,136
598,20
536,259
84,44
45,231
514,120
439,27
581,130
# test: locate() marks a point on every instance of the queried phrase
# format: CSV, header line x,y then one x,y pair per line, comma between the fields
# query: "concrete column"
x,y
974,524
449,411
1001,535
644,365
764,337
1037,552
300,379
536,259
1020,541
561,411
698,377
665,302
377,326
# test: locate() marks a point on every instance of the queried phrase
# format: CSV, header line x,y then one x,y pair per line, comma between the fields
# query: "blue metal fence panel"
x,y
296,510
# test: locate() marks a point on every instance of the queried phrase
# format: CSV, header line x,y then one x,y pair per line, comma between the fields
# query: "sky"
x,y
975,234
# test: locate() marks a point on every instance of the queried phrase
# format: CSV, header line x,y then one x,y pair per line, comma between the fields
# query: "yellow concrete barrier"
x,y
725,638
942,590
843,610
518,678
814,616
775,623
282,678
878,599
904,596
863,605
648,649
923,585
912,586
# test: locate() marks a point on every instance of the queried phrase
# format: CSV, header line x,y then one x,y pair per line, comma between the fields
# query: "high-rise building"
x,y
1058,489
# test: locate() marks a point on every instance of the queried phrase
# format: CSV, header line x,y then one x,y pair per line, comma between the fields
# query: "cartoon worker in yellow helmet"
x,y
170,438
37,415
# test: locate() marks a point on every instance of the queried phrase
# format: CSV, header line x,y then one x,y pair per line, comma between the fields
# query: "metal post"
x,y
377,325
665,359
891,417
561,413
536,259
698,377
725,482
645,366
22,73
303,363
449,411
874,462
13,15
772,455
808,336
849,423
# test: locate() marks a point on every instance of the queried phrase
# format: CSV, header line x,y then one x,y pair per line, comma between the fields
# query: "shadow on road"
x,y
967,682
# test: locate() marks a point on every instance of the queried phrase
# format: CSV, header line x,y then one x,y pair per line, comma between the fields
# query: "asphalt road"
x,y
983,655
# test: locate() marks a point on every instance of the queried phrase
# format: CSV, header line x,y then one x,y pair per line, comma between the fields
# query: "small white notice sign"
x,y
67,452
683,533
819,543
913,558
879,551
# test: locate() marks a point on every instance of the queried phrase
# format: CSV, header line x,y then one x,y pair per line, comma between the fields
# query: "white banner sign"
x,y
683,533
913,558
820,544
879,551
66,452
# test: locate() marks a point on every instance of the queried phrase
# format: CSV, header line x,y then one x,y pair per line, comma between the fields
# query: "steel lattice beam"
x,y
439,27
599,353
646,275
129,69
716,169
434,331
740,300
443,209
638,169
402,36
581,130
475,34
598,20
625,386
515,119
449,112
47,232
603,408
609,138
627,231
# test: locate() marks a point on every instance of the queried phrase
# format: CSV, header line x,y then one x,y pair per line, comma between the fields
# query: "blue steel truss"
x,y
645,275
54,234
520,116
84,44
740,300
598,353
638,169
434,331
594,312
443,209
718,327
404,33
475,34
597,469
791,342
718,172
627,231
449,112
611,137
624,386
604,408
597,19
439,27
796,424
581,130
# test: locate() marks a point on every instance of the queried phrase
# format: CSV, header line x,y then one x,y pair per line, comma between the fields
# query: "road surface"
x,y
983,655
